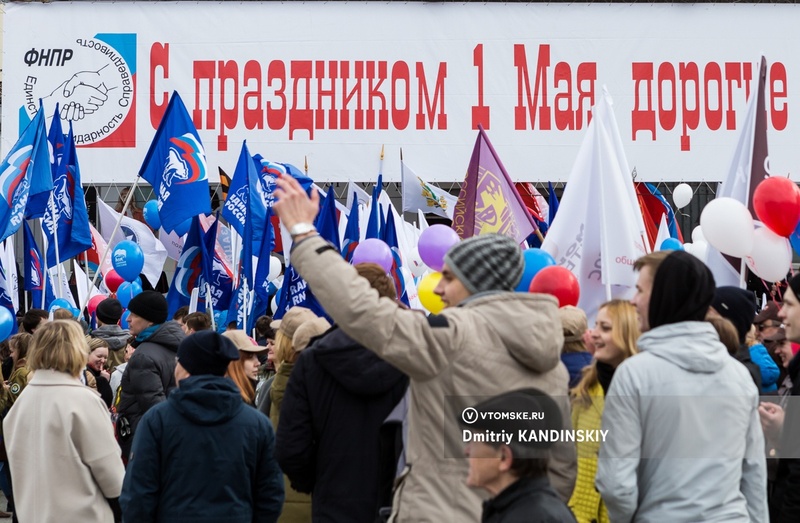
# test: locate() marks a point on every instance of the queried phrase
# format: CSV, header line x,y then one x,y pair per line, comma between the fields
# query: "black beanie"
x,y
489,262
150,305
683,288
737,305
206,352
109,311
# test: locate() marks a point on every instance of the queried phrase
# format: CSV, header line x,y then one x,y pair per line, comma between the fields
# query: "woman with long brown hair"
x,y
614,336
244,371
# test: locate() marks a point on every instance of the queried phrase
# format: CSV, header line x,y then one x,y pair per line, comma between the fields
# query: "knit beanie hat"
x,y
489,262
109,311
149,305
206,352
737,305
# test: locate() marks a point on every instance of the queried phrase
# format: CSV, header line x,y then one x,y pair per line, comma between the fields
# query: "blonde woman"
x,y
614,337
64,459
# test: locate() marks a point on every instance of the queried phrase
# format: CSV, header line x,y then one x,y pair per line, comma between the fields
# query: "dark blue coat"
x,y
203,456
337,399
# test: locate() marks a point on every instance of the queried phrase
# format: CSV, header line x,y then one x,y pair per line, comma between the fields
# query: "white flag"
x,y
82,285
737,186
9,280
155,254
597,233
663,231
421,195
63,281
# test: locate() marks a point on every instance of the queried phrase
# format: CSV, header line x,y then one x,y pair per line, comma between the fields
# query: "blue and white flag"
x,y
37,204
215,272
24,172
351,233
326,222
36,280
189,270
240,309
176,167
66,217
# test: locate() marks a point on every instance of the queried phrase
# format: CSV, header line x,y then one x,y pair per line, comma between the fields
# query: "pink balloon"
x,y
434,242
94,301
374,250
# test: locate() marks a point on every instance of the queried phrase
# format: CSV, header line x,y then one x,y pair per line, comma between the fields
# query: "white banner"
x,y
335,81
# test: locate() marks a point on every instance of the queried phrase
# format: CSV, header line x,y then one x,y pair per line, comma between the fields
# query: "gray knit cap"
x,y
489,262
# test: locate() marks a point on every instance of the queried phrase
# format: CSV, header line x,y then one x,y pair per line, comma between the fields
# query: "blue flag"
x,y
374,223
262,283
189,269
214,271
175,165
36,280
326,223
242,301
390,238
671,223
296,293
66,215
37,204
552,203
6,289
351,232
23,173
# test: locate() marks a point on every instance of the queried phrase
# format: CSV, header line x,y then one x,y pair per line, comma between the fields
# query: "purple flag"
x,y
488,201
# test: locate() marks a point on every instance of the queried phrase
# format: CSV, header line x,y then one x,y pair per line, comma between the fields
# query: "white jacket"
x,y
684,442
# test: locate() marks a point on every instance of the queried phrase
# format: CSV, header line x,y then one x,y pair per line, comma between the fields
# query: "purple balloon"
x,y
434,242
374,250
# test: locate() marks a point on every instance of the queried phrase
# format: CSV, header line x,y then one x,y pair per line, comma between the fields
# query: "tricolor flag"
x,y
175,165
352,232
488,201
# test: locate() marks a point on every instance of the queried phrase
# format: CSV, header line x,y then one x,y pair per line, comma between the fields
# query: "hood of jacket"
x,y
353,366
114,335
206,399
528,326
691,345
169,335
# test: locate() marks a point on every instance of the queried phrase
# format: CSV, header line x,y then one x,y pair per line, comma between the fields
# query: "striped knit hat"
x,y
490,262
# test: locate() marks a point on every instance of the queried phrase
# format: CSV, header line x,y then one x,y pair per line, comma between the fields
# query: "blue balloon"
x,y
59,303
126,291
221,319
535,260
151,217
123,321
671,244
75,311
183,227
7,323
128,260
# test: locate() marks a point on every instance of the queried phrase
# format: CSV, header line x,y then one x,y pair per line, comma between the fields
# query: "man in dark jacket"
x,y
149,374
508,464
335,403
203,455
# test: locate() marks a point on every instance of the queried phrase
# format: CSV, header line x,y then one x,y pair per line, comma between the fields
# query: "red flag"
x,y
528,194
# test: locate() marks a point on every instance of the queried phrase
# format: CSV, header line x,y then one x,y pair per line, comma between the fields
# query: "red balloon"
x,y
93,302
113,280
559,282
776,202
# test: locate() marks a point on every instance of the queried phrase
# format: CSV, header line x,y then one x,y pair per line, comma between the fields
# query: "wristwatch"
x,y
298,229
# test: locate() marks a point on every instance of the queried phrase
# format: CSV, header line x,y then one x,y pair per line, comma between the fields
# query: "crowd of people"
x,y
362,416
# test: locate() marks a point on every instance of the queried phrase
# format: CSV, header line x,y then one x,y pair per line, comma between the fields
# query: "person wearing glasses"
x,y
767,322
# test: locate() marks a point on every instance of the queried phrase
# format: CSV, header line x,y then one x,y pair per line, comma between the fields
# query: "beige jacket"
x,y
491,344
63,455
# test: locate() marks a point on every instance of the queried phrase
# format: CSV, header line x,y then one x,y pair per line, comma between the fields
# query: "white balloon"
x,y
697,234
771,258
728,226
682,195
699,251
274,304
275,267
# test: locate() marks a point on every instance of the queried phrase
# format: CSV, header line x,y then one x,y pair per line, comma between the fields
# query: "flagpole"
x,y
210,306
51,203
45,273
116,228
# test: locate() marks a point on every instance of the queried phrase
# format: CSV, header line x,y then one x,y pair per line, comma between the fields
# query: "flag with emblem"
x,y
37,203
36,280
24,172
66,220
175,165
488,201
189,269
